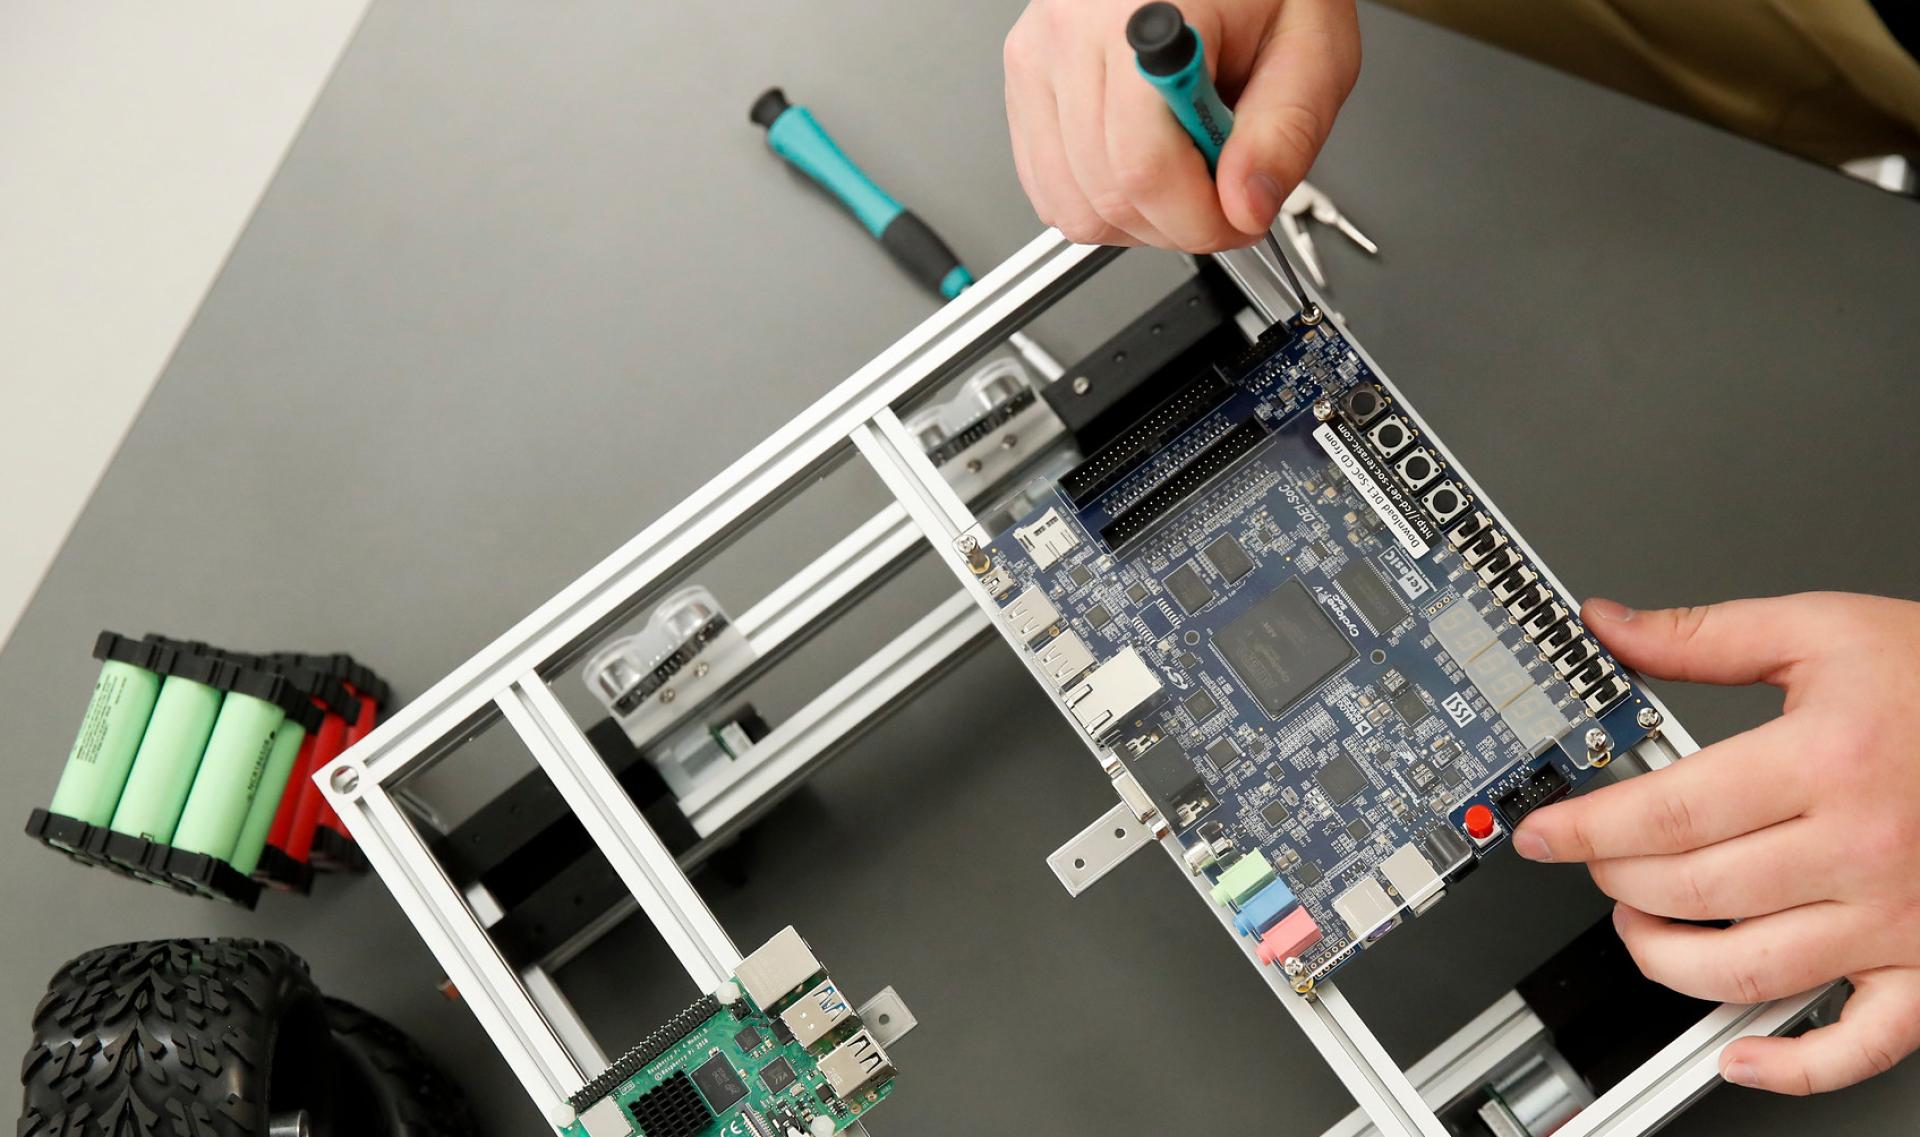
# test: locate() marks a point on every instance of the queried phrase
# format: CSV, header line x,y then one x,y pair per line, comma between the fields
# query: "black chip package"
x,y
1078,574
748,1039
1341,780
1227,556
1411,706
1274,812
1189,660
1098,616
1222,754
1137,593
1283,647
719,1084
777,1075
1187,588
1307,875
1200,705
1358,828
782,1031
1372,595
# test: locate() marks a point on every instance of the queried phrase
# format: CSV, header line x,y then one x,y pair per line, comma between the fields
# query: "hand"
x,y
1805,829
1102,158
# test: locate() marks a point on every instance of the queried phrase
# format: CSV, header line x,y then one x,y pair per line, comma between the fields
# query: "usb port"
x,y
816,1013
1063,658
1030,614
855,1064
1111,692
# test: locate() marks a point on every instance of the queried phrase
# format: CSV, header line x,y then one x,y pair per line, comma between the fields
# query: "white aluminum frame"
x,y
526,1016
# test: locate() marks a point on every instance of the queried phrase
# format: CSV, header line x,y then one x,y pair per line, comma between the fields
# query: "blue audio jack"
x,y
1168,52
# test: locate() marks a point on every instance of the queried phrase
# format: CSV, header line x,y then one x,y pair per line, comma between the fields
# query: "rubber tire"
x,y
406,1093
176,1038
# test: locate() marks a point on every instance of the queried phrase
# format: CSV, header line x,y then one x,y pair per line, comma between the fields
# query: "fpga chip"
x,y
1284,647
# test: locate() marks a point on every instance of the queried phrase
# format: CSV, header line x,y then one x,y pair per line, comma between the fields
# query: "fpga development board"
x,y
1312,656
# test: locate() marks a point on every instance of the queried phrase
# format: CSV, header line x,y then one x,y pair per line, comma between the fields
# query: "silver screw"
x,y
1082,384
1649,718
973,465
701,669
345,780
667,696
1009,442
966,543
1598,741
1323,409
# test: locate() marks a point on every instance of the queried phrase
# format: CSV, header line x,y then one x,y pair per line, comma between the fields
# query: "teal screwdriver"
x,y
794,134
1169,54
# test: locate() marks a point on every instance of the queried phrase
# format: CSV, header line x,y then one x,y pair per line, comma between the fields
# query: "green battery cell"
x,y
236,758
266,799
170,753
110,733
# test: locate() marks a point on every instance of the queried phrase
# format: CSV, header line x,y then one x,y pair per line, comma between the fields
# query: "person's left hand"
x,y
1805,829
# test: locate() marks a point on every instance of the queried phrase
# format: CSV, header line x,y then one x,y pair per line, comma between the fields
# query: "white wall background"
x,y
135,140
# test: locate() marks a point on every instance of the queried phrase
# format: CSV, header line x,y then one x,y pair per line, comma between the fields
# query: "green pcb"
x,y
736,1071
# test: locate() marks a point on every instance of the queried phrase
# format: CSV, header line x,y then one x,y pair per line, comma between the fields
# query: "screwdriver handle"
x,y
795,135
1170,56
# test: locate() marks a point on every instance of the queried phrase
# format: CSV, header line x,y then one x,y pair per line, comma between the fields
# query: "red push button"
x,y
1479,821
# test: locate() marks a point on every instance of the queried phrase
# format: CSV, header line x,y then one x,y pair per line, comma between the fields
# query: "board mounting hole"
x,y
885,1019
1079,863
1121,834
1377,656
1191,638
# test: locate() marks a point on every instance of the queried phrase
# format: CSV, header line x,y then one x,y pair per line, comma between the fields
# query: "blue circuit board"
x,y
1307,642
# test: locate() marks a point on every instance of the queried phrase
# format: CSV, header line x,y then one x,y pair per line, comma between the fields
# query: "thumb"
x,y
1302,74
1736,642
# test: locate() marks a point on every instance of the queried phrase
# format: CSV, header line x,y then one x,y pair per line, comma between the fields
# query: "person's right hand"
x,y
1103,160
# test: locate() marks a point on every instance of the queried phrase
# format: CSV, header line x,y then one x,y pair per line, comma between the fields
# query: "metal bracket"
x,y
1098,849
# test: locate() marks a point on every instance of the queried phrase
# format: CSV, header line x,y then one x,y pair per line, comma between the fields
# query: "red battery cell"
x,y
336,849
330,740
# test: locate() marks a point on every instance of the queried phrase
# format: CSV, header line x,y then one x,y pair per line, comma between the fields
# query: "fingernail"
x,y
1601,608
1741,1074
1532,846
1263,194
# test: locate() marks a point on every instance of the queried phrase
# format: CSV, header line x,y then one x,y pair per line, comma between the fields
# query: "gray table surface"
x,y
527,278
